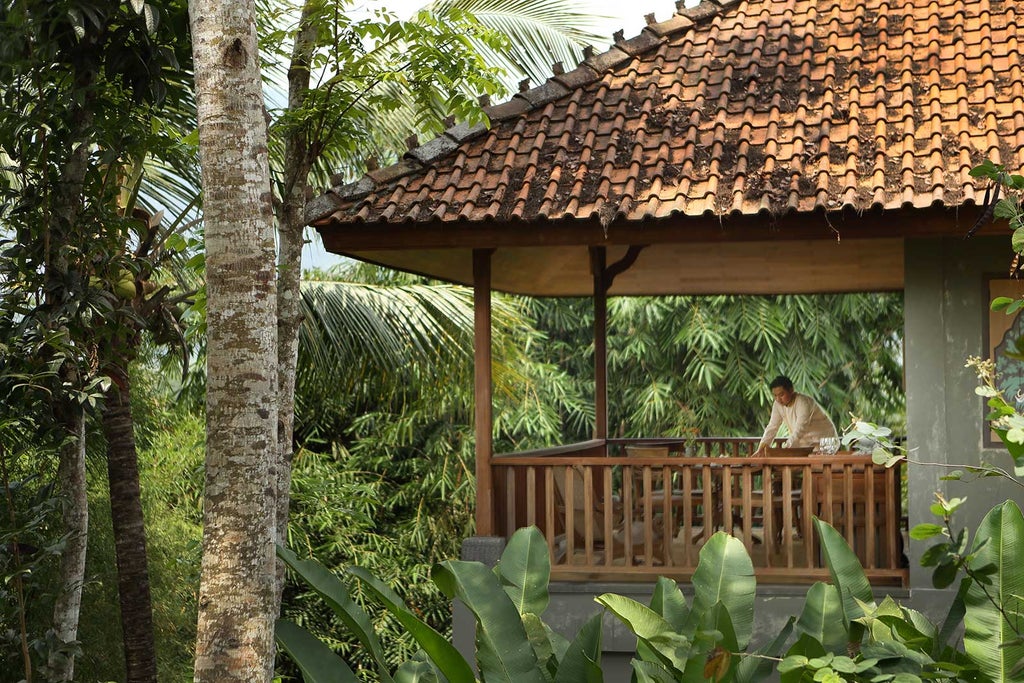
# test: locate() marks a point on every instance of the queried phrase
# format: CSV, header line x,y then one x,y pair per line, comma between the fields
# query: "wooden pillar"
x,y
597,262
482,391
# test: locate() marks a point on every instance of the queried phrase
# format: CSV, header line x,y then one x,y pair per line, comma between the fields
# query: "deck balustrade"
x,y
609,515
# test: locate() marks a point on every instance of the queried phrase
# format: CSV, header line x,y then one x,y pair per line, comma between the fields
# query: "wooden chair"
x,y
628,539
686,509
796,494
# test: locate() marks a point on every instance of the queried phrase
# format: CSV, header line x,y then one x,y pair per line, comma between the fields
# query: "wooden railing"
x,y
608,516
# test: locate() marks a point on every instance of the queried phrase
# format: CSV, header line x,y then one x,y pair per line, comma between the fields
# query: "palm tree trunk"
x,y
129,533
75,516
236,594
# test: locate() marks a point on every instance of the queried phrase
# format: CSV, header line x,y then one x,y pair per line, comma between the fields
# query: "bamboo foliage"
x,y
715,356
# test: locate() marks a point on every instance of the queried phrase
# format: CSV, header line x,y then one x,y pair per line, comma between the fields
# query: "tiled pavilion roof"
x,y
733,108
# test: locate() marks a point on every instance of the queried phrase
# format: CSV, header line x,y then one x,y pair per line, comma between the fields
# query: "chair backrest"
x,y
579,498
648,451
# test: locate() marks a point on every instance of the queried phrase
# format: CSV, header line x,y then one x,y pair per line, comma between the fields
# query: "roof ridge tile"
x,y
610,59
549,91
702,12
431,151
463,132
677,22
507,110
640,43
582,75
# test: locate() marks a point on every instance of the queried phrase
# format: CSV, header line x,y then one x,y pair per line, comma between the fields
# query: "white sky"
x,y
627,15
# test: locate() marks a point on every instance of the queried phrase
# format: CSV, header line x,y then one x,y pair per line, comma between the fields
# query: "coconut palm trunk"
x,y
236,593
129,531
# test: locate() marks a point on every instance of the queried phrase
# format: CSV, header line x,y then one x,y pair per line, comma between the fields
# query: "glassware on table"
x,y
829,445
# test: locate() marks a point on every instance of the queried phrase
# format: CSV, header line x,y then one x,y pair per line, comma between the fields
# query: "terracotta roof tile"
x,y
734,107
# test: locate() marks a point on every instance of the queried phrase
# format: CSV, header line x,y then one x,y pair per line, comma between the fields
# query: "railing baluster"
x,y
870,537
627,512
893,505
668,524
609,540
810,498
768,520
531,496
549,511
727,499
510,499
747,501
688,508
851,537
570,514
588,514
787,515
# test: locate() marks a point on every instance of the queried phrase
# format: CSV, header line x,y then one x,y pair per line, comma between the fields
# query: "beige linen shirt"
x,y
805,420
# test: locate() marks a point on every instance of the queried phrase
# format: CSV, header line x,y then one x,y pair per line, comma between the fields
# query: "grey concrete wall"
x,y
946,309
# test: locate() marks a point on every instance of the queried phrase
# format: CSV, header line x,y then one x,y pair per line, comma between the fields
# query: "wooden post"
x,y
482,391
597,263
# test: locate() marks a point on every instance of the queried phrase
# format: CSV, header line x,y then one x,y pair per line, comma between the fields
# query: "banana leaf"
x,y
993,611
316,661
504,652
525,570
725,574
759,666
822,617
954,617
660,639
336,595
538,633
441,652
651,672
418,669
582,661
719,660
847,576
668,601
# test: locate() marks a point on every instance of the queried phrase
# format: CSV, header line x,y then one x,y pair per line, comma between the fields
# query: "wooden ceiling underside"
x,y
766,267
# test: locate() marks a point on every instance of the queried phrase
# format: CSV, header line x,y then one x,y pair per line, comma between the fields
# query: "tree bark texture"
x,y
236,595
297,164
75,516
67,205
129,534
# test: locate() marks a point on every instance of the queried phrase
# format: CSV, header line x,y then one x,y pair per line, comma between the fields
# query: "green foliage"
x,y
171,452
842,634
30,545
994,609
513,643
988,601
379,77
668,357
679,643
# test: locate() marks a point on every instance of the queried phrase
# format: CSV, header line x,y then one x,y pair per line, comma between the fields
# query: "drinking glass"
x,y
829,445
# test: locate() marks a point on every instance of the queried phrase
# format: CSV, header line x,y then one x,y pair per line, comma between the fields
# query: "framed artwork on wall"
x,y
1001,333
